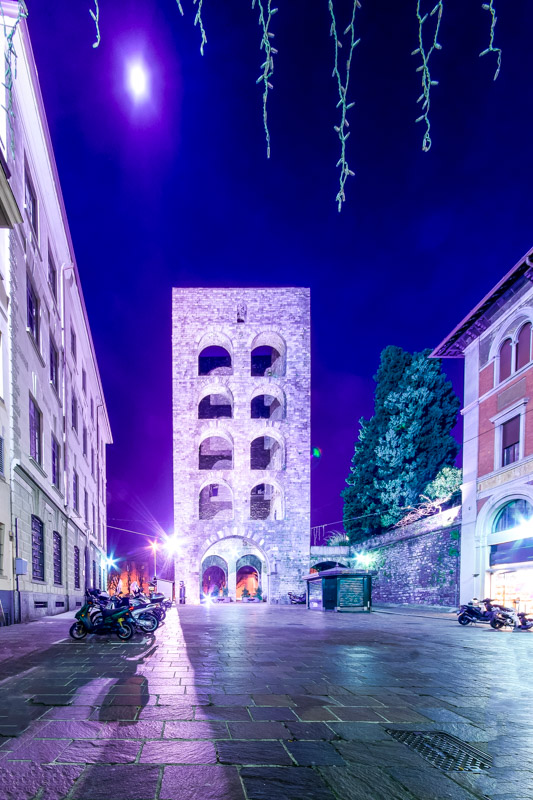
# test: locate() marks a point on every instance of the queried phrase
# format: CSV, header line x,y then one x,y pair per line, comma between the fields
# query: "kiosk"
x,y
340,589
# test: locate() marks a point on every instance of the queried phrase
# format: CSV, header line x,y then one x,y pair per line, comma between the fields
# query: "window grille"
x,y
76,567
58,566
37,548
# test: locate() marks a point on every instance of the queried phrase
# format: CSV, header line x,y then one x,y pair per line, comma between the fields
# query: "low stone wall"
x,y
415,564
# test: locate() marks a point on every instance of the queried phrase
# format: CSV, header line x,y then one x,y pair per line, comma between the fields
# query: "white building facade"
x,y
58,424
495,340
241,441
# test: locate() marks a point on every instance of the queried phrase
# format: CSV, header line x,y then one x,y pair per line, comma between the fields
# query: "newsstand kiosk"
x,y
340,589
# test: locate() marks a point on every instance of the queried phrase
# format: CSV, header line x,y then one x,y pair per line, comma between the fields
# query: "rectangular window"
x,y
84,381
92,409
99,578
74,412
54,365
56,462
75,490
2,463
73,343
35,432
92,461
76,567
52,275
94,574
511,441
84,439
94,520
37,548
33,311
86,506
58,566
30,201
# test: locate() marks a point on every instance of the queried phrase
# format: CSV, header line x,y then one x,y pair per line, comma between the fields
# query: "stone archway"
x,y
233,553
248,574
213,576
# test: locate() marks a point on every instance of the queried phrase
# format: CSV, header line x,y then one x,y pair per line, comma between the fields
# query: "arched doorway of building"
x,y
248,574
214,576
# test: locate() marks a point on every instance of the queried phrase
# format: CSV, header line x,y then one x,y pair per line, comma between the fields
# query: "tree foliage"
x,y
404,445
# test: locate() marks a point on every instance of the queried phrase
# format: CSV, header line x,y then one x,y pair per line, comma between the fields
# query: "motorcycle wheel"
x,y
148,622
159,613
463,619
497,624
78,631
125,631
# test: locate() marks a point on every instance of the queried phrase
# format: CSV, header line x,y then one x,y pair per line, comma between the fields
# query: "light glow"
x,y
138,80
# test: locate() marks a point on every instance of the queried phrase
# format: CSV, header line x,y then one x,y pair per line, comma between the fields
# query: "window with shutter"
x,y
506,352
35,432
2,468
76,567
523,346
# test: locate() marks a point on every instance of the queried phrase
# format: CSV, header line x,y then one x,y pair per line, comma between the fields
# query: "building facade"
x,y
58,422
241,440
495,340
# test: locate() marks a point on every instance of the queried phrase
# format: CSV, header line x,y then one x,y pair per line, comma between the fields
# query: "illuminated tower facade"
x,y
241,440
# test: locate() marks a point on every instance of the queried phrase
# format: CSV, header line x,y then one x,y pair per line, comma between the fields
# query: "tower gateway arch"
x,y
241,441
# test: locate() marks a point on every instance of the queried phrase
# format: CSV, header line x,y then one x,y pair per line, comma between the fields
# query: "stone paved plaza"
x,y
265,703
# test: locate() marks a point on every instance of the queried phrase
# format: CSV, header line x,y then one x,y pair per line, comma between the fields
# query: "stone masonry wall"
x,y
209,317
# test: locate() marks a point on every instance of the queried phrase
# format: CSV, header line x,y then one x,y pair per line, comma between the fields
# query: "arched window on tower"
x,y
216,452
506,352
266,406
523,346
266,502
215,405
266,453
215,502
214,360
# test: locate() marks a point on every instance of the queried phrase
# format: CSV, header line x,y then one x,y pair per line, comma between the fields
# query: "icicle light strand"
x,y
10,67
491,49
199,21
265,18
427,82
343,93
96,18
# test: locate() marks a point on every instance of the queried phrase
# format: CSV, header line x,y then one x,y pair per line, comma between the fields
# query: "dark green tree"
x,y
404,445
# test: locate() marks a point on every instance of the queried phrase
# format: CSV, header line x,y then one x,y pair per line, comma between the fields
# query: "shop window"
x,y
215,452
214,360
523,346
506,352
511,515
511,441
216,502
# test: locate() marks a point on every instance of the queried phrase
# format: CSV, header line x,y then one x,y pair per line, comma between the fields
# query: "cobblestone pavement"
x,y
249,702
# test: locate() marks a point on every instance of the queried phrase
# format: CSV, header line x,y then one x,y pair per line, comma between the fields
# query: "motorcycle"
x,y
476,611
144,615
91,619
297,599
519,621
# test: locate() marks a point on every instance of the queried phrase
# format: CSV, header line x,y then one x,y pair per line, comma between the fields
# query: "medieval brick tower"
x,y
241,445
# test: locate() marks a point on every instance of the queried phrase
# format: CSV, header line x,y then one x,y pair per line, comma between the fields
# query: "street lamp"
x,y
154,548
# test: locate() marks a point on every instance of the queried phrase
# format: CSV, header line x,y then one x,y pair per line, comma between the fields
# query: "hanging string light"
x,y
96,18
491,49
265,18
10,69
343,134
199,21
427,82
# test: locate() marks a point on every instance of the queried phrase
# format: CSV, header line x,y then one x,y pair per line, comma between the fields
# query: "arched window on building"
x,y
266,502
216,502
217,404
523,346
215,452
512,515
214,360
506,353
267,355
266,406
266,453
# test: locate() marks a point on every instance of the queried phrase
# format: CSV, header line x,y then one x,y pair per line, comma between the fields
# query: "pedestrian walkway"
x,y
251,702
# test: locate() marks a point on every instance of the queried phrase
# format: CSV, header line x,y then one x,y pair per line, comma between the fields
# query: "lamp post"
x,y
154,548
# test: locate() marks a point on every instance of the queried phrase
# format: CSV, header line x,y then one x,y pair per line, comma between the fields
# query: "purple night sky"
x,y
178,192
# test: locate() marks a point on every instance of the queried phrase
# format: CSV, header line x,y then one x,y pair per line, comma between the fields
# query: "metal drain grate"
x,y
443,751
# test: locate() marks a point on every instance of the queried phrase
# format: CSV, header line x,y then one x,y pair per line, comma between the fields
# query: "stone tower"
x,y
241,440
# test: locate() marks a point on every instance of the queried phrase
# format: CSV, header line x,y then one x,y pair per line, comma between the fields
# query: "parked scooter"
x,y
91,619
144,614
476,611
